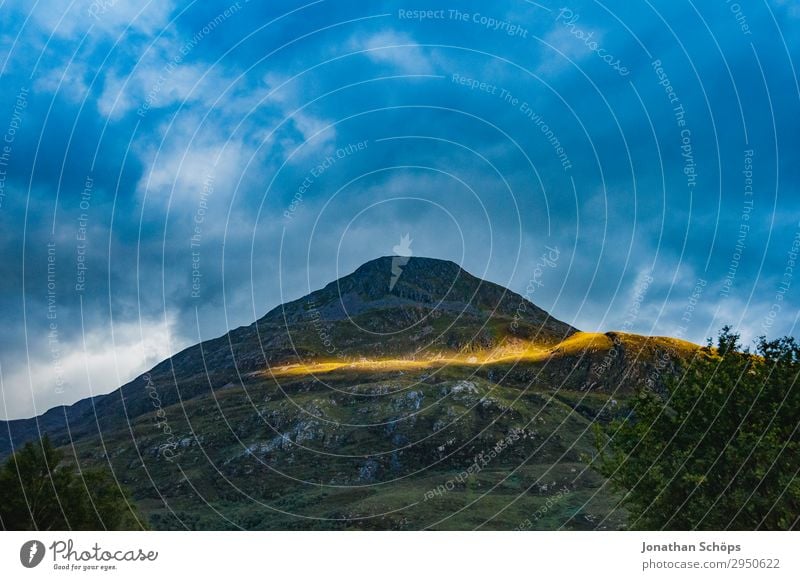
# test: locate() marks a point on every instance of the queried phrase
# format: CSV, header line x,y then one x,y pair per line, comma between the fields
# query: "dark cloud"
x,y
272,148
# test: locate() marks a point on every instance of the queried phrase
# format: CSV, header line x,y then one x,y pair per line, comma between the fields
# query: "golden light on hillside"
x,y
578,343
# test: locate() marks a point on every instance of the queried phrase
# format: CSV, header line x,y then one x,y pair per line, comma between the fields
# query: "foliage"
x,y
39,492
719,450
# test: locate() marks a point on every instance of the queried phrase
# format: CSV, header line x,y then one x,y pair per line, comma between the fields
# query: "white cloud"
x,y
111,17
156,86
69,80
314,133
189,158
399,50
568,43
107,362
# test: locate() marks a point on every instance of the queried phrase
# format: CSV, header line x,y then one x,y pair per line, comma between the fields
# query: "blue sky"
x,y
172,171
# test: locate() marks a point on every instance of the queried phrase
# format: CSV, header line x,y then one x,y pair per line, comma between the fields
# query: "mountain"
x,y
408,394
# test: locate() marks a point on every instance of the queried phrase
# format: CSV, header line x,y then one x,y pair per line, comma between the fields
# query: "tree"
x,y
38,491
720,450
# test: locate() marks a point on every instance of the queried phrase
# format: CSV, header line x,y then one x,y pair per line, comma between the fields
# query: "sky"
x,y
170,171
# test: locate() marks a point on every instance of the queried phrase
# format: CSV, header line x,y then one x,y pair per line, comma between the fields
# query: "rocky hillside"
x,y
408,394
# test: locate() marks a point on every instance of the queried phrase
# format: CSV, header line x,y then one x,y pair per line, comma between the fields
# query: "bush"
x,y
720,450
39,492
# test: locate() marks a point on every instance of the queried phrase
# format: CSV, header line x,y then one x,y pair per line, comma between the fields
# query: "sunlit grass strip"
x,y
521,352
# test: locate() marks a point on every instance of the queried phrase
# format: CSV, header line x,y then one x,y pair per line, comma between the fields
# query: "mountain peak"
x,y
392,294
429,280
416,261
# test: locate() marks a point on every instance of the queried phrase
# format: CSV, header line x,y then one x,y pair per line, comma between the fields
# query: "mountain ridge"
x,y
425,287
364,381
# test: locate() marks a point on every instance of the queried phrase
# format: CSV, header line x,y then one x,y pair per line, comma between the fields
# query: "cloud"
x,y
69,80
234,104
398,50
191,157
111,17
567,42
99,363
156,86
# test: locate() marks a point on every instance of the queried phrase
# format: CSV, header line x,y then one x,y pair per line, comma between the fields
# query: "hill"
x,y
408,394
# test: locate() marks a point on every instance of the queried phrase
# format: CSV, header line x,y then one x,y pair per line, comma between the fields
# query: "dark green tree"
x,y
39,491
720,450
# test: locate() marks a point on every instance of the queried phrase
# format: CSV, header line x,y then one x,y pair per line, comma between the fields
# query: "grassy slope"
x,y
365,449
